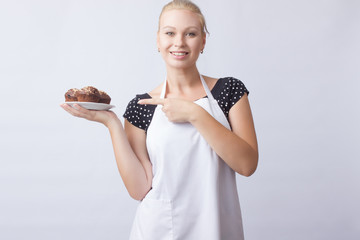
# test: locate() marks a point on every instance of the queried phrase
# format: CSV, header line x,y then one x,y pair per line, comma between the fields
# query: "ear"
x,y
204,40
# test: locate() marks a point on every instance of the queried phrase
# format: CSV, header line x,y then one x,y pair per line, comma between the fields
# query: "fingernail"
x,y
139,102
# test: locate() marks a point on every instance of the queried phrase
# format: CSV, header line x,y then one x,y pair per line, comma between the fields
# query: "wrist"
x,y
112,122
195,114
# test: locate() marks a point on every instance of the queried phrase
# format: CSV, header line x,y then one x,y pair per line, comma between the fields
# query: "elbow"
x,y
138,190
250,169
248,172
139,195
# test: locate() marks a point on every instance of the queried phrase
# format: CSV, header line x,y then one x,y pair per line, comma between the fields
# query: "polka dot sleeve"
x,y
139,115
229,91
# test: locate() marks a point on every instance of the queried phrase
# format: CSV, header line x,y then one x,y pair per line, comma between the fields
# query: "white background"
x,y
299,60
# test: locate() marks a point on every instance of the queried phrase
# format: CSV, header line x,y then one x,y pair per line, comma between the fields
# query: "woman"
x,y
182,142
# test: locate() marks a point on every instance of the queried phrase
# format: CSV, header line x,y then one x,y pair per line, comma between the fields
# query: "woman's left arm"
x,y
238,148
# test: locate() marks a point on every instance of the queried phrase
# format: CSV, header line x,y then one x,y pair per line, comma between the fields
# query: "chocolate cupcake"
x,y
104,98
88,94
71,95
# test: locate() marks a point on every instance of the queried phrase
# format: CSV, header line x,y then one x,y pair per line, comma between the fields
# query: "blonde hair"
x,y
185,5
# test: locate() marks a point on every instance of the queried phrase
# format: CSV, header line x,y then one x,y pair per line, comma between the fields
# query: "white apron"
x,y
194,194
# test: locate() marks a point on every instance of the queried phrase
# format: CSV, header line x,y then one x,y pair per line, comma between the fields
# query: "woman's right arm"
x,y
131,157
129,146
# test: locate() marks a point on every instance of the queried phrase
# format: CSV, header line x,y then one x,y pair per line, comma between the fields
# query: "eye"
x,y
191,34
169,33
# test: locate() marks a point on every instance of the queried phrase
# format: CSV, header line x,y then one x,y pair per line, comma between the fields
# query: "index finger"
x,y
152,101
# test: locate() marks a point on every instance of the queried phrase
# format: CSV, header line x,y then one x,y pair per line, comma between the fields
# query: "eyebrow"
x,y
185,28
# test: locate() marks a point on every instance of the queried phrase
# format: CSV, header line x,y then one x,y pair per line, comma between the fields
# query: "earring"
x,y
202,51
158,49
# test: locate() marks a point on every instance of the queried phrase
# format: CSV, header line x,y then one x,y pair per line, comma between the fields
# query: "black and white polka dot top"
x,y
227,91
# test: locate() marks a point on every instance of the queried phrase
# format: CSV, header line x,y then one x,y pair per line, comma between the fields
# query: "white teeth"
x,y
179,54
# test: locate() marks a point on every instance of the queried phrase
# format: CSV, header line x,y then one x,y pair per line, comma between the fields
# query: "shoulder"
x,y
232,87
231,83
133,103
210,81
155,93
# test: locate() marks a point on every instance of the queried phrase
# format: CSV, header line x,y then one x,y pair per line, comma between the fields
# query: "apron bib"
x,y
194,194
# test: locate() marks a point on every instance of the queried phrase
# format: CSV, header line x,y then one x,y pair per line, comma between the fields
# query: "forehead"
x,y
179,19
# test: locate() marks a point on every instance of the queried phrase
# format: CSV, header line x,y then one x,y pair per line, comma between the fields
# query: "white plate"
x,y
92,105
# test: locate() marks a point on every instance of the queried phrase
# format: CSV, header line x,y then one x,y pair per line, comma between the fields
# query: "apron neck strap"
x,y
162,95
206,88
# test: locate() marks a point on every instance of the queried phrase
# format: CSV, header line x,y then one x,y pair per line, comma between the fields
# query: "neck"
x,y
181,80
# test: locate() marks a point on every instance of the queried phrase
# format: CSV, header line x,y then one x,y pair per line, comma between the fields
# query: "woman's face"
x,y
180,39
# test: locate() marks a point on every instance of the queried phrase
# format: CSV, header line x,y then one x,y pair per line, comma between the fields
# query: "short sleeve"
x,y
139,115
237,90
228,91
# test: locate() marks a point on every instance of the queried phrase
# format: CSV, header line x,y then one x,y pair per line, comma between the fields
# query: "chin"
x,y
180,65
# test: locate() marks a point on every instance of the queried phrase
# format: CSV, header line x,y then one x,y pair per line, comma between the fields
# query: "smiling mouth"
x,y
179,53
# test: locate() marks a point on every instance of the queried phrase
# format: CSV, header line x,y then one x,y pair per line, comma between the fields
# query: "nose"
x,y
179,41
